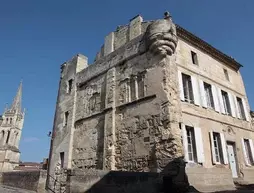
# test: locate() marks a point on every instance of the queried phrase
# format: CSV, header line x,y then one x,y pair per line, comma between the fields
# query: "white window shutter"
x,y
251,148
212,148
180,81
222,108
237,110
185,142
202,94
246,111
199,145
196,95
245,154
215,99
232,104
224,148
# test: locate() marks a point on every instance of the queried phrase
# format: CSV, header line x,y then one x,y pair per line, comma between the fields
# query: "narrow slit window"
x,y
226,74
62,159
66,116
194,58
70,85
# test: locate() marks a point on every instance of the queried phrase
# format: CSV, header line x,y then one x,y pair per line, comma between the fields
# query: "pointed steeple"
x,y
16,105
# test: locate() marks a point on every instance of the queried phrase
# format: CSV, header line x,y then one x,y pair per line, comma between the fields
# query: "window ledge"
x,y
217,164
137,101
120,106
94,114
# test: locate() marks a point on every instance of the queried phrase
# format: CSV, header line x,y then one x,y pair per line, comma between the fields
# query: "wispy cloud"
x,y
31,139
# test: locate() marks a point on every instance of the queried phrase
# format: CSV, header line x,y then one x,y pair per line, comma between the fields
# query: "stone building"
x,y
11,124
155,93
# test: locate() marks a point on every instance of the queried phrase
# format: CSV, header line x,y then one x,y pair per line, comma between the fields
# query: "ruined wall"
x,y
88,144
138,119
62,133
123,104
115,181
126,111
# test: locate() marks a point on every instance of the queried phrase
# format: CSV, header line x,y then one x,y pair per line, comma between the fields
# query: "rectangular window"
x,y
248,151
70,82
240,107
217,147
209,95
62,159
66,116
226,104
192,150
187,88
226,74
194,58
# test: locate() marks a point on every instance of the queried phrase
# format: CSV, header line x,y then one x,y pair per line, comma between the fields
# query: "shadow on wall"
x,y
172,179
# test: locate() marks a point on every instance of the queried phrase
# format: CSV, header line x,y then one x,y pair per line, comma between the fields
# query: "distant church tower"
x,y
11,124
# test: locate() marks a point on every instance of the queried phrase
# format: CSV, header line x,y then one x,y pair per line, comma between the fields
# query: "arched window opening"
x,y
10,120
8,137
7,120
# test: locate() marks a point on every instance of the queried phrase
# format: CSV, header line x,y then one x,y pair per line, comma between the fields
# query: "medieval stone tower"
x,y
11,124
157,101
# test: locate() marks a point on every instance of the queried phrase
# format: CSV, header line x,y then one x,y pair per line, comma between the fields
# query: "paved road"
x,y
5,189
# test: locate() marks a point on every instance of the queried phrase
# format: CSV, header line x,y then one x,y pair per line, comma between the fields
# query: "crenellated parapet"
x,y
160,36
122,35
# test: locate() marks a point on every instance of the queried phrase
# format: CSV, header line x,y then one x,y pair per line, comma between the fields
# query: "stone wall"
x,y
210,180
30,180
138,113
200,179
126,113
97,181
247,176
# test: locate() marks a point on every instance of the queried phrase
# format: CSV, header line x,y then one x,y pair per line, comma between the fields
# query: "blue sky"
x,y
36,37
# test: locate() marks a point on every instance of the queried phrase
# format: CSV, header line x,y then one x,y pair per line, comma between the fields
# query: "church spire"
x,y
16,105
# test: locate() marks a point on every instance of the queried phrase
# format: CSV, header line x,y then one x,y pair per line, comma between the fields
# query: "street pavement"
x,y
7,189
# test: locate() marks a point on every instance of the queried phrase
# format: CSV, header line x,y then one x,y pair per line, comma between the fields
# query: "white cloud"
x,y
31,139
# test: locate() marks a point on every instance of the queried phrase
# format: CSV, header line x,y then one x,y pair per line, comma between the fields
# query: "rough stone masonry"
x,y
123,112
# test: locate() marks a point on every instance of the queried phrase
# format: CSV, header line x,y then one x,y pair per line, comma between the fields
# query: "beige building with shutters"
x,y
154,95
217,131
